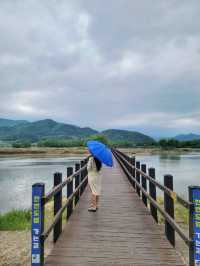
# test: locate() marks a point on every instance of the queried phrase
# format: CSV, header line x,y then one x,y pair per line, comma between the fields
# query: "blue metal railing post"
x,y
37,244
69,192
194,225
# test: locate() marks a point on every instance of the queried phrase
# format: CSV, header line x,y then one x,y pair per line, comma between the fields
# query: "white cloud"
x,y
125,64
164,121
186,123
140,119
129,64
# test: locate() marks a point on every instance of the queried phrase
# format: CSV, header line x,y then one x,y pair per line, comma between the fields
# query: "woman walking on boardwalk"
x,y
100,154
94,179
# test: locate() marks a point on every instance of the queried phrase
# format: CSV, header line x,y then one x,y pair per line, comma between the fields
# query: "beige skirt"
x,y
94,181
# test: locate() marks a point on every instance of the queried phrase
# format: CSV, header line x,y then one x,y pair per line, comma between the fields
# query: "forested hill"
x,y
11,123
187,137
126,135
12,130
44,129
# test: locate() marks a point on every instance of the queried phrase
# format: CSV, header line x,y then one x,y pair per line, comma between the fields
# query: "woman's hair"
x,y
98,164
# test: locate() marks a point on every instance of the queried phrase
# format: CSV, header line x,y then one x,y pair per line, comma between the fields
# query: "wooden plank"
x,y
121,233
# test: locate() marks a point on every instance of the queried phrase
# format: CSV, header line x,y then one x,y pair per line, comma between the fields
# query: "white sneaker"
x,y
92,209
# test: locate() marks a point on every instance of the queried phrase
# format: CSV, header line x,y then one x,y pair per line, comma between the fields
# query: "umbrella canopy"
x,y
101,152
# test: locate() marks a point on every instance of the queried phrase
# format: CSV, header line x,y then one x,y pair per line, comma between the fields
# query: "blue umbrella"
x,y
101,152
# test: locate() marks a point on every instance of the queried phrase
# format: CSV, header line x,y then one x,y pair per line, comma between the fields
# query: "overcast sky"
x,y
105,64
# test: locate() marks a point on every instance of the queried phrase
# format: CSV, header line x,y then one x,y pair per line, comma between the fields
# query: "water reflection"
x,y
168,156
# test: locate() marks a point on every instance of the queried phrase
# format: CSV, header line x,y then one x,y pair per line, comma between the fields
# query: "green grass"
x,y
15,220
19,220
181,213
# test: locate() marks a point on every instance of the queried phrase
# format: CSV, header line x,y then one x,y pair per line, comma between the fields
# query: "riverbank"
x,y
15,238
15,247
82,151
157,151
44,152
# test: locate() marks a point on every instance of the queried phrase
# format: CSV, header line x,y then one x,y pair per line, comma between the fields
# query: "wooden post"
x,y
144,183
77,182
57,206
169,208
128,168
82,177
126,165
133,170
152,192
138,177
69,192
125,159
85,174
37,243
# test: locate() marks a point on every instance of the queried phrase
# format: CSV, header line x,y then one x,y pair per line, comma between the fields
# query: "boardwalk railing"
x,y
138,177
76,183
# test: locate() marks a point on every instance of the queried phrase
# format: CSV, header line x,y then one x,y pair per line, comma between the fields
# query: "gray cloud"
x,y
127,64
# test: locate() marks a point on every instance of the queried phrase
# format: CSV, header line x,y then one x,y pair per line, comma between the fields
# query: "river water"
x,y
18,174
184,168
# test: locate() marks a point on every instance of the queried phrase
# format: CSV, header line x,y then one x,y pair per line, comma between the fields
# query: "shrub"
x,y
100,138
21,144
60,143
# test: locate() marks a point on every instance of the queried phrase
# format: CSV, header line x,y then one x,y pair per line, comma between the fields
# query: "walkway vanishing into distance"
x,y
121,233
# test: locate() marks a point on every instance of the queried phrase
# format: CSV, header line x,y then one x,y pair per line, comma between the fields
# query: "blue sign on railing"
x,y
37,224
196,224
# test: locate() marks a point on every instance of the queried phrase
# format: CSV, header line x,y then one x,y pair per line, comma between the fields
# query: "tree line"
x,y
173,143
66,143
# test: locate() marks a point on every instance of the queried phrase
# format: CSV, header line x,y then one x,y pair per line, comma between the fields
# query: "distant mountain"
x,y
11,130
11,123
187,137
44,129
125,135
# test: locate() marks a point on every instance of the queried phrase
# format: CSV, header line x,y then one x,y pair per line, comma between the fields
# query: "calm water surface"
x,y
18,174
184,168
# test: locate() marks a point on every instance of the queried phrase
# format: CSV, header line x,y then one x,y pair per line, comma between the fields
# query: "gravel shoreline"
x,y
15,248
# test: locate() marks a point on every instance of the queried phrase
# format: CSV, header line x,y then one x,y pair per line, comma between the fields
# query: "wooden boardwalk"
x,y
120,233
